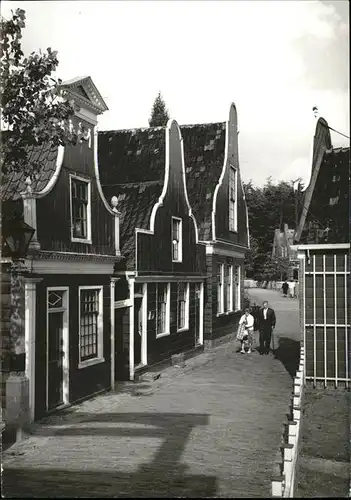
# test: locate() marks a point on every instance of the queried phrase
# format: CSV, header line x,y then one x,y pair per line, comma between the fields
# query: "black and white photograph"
x,y
175,249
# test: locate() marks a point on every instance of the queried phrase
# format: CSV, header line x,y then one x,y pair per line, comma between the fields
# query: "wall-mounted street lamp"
x,y
17,236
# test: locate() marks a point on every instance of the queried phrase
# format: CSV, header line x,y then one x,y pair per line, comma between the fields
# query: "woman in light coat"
x,y
245,331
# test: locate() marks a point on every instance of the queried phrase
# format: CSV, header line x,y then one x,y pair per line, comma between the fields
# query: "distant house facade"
x,y
322,242
283,255
67,287
184,235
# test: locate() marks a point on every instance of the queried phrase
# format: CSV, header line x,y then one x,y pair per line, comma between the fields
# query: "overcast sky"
x,y
275,60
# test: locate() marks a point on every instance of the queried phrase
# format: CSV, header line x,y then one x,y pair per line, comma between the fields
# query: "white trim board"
x,y
213,250
53,266
321,246
65,333
30,288
167,279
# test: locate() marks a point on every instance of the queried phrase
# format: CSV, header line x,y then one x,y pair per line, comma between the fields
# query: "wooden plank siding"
x,y
54,210
226,323
327,318
161,348
82,382
222,212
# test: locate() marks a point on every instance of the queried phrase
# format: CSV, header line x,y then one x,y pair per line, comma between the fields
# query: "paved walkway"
x,y
211,430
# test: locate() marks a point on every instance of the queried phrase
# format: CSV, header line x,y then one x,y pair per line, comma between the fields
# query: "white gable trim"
x,y
185,189
165,184
97,174
246,209
113,211
159,203
214,201
50,185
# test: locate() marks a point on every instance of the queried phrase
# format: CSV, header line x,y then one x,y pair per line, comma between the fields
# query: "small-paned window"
x,y
220,289
232,199
183,306
90,328
80,209
162,309
176,239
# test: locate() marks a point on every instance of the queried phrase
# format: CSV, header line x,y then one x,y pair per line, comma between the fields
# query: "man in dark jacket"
x,y
285,288
266,325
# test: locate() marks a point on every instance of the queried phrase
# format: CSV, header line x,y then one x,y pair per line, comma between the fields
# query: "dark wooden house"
x,y
323,245
217,199
184,233
66,284
165,263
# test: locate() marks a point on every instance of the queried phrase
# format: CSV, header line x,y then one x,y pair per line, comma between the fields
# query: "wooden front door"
x,y
55,359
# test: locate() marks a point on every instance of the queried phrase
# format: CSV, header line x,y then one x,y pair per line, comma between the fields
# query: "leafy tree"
x,y
159,113
32,110
269,208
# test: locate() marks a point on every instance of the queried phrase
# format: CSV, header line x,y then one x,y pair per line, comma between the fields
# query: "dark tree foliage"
x,y
32,110
269,208
159,113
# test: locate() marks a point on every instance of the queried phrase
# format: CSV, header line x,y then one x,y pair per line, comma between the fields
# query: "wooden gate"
x,y
326,327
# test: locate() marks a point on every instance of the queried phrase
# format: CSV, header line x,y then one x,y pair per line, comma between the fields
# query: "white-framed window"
x,y
80,195
237,285
90,325
220,289
182,306
176,239
162,309
229,284
233,223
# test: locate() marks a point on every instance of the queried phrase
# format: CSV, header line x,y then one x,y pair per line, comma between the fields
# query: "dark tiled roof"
x,y
329,206
204,147
135,202
138,156
132,167
14,184
127,156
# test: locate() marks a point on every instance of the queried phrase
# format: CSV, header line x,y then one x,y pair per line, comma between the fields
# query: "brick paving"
x,y
212,429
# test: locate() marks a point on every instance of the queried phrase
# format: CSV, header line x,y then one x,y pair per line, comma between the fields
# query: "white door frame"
x,y
201,313
144,326
65,335
131,328
30,287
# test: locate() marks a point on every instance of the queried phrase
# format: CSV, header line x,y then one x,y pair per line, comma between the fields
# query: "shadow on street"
x,y
164,476
288,353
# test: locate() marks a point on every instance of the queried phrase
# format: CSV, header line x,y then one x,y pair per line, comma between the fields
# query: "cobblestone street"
x,y
212,429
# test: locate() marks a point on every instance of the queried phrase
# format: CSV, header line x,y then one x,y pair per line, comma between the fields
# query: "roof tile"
x,y
132,166
14,184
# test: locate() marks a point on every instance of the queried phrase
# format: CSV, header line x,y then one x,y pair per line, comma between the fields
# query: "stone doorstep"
x,y
160,370
185,360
